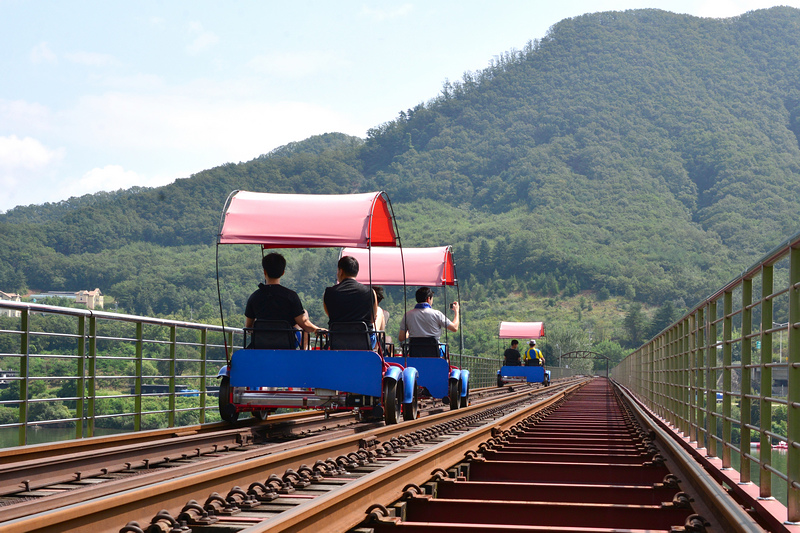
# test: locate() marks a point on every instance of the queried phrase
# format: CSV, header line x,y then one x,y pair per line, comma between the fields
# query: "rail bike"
x,y
339,370
429,267
522,374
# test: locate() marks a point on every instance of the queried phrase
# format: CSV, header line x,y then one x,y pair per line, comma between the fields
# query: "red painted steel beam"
x,y
572,457
566,473
424,509
540,492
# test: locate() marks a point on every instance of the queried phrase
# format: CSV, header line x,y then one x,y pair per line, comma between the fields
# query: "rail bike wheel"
x,y
390,399
260,415
410,409
465,399
454,392
226,409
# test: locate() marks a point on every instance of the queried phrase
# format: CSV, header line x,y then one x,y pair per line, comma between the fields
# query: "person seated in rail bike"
x,y
511,357
274,302
423,321
351,308
383,316
533,355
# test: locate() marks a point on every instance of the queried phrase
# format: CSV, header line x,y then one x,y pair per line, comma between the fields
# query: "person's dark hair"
x,y
349,265
379,293
423,293
274,265
515,341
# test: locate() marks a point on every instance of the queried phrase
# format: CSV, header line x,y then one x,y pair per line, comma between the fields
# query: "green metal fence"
x,y
482,370
726,374
93,370
81,369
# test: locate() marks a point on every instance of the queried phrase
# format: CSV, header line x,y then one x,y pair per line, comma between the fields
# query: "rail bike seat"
x,y
271,335
423,347
350,336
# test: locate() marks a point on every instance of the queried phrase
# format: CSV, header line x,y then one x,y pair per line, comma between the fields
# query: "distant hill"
x,y
642,154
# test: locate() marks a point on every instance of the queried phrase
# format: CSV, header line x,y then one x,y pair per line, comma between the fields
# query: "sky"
x,y
101,96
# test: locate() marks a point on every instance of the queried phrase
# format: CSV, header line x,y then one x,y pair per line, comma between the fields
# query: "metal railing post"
x,y
80,384
24,350
746,385
700,380
692,377
686,372
203,390
793,394
137,381
765,407
651,370
661,362
711,397
172,355
92,377
727,326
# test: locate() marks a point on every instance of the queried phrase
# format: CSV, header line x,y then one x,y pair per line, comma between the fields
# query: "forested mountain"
x,y
640,153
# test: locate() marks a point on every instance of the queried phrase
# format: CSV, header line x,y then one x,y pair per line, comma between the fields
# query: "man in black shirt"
x,y
273,301
512,356
349,300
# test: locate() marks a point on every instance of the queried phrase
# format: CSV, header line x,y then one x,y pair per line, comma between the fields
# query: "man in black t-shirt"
x,y
349,300
273,301
512,356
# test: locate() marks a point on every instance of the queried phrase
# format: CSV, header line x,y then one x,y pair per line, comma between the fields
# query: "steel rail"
x,y
33,470
123,502
93,444
35,467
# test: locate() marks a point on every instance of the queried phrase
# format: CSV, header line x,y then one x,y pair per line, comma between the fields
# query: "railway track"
x,y
38,471
587,464
118,465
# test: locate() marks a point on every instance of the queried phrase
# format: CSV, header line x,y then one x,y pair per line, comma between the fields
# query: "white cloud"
x,y
203,39
134,82
25,154
147,139
90,59
110,177
296,64
26,166
211,129
380,15
41,53
19,115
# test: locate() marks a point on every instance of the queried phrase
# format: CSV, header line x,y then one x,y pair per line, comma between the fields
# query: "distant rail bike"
x,y
522,374
431,267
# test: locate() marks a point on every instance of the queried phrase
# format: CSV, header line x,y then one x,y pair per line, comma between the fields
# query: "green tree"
x,y
635,324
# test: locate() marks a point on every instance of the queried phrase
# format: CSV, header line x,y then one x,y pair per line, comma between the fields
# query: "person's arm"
x,y
249,322
380,321
374,308
453,326
305,324
401,335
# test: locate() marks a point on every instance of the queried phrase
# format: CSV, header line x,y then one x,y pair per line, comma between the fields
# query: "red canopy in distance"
x,y
521,330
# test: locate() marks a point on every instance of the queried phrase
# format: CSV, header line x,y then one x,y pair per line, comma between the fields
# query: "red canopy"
x,y
308,220
432,267
521,330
